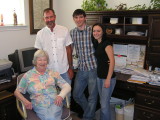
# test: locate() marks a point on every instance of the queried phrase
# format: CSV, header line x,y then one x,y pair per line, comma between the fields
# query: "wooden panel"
x,y
154,59
155,43
155,49
153,55
92,19
155,25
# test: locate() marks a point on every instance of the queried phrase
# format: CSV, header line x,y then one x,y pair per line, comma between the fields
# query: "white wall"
x,y
65,10
12,40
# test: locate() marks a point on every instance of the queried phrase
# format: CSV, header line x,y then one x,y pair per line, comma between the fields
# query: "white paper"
x,y
120,61
133,53
130,56
120,49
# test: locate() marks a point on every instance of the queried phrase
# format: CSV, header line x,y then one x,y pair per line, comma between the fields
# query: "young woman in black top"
x,y
105,68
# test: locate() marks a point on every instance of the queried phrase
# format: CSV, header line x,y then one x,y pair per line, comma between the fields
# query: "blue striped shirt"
x,y
84,48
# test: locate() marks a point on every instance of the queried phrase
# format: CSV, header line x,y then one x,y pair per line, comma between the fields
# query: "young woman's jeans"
x,y
105,95
84,78
53,112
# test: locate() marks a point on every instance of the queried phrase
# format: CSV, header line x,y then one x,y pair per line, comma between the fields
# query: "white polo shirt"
x,y
55,44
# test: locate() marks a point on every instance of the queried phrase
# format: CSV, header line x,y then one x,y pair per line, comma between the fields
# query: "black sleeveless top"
x,y
102,60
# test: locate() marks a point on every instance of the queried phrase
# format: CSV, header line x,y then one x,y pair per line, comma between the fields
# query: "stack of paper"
x,y
141,76
139,79
143,72
138,75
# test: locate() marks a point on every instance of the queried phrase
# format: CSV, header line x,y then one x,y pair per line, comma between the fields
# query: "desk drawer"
x,y
125,85
148,101
145,114
150,92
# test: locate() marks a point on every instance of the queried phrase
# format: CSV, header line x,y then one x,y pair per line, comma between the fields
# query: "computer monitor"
x,y
22,59
25,58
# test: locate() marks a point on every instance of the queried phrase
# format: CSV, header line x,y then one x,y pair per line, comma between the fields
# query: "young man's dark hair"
x,y
79,12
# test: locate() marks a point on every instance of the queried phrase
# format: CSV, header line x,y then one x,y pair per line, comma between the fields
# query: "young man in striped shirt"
x,y
87,73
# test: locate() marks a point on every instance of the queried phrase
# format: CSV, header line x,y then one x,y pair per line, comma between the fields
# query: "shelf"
x,y
136,24
109,24
118,24
144,38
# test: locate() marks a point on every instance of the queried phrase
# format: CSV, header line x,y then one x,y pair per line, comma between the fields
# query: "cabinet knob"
x,y
149,42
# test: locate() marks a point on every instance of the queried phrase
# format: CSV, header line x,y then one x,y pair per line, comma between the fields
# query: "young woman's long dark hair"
x,y
94,41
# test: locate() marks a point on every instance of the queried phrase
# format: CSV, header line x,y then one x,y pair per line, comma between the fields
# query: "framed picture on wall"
x,y
36,8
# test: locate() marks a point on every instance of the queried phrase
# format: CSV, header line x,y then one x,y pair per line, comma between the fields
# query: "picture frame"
x,y
36,8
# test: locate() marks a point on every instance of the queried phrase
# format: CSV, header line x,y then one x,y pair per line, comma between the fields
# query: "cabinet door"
x,y
153,56
147,101
145,114
92,19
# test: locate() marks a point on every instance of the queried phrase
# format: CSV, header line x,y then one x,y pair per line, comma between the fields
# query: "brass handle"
x,y
148,116
148,102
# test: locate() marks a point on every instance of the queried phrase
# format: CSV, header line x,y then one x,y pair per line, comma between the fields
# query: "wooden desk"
x,y
147,97
8,109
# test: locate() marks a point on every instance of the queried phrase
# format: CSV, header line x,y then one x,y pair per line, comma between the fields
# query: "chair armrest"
x,y
21,108
67,102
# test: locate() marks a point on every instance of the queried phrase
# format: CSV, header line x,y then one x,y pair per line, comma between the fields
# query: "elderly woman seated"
x,y
41,83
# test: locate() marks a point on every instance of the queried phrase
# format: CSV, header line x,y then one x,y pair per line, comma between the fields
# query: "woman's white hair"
x,y
40,53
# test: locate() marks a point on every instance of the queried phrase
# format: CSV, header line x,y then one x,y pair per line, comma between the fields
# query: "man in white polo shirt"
x,y
56,40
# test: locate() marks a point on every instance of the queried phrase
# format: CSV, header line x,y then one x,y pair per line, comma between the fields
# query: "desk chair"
x,y
31,115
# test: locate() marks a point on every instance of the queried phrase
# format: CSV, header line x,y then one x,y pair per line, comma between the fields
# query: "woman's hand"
x,y
28,105
107,83
58,101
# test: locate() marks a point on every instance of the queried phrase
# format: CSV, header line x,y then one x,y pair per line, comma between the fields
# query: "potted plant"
x,y
101,5
155,4
94,5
